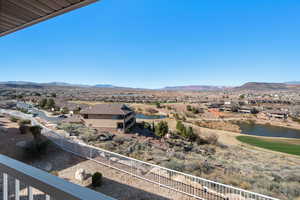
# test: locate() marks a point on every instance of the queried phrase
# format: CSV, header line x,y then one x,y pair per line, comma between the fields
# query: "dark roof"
x,y
108,109
277,112
17,14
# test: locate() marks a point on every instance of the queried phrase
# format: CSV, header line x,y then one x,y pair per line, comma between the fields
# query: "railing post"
x,y
131,167
5,187
17,189
159,177
240,194
30,193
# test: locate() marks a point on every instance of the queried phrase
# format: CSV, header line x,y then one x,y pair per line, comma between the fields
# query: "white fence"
x,y
190,185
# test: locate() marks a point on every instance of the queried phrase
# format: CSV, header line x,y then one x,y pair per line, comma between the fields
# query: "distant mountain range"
x,y
246,86
196,88
61,84
263,86
293,83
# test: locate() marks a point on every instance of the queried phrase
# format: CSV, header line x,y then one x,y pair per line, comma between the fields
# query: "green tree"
x,y
234,108
181,129
189,108
36,133
179,126
153,127
65,110
42,103
158,105
97,179
50,104
161,129
190,135
77,110
195,110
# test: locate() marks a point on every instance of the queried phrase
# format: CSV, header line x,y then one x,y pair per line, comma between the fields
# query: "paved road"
x,y
39,113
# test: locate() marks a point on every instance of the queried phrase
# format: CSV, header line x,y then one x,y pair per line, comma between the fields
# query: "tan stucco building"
x,y
114,116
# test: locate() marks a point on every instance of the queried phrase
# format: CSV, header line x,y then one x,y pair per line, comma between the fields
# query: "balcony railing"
x,y
21,181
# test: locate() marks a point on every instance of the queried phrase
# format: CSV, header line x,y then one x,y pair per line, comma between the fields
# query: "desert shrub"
x,y
24,129
179,155
42,103
147,125
187,133
109,146
120,140
65,110
87,134
36,150
175,165
151,110
206,167
189,108
190,115
212,139
97,179
293,178
201,140
14,119
180,127
190,134
195,110
24,122
295,119
23,110
289,189
77,110
158,105
176,116
77,130
36,133
192,166
245,185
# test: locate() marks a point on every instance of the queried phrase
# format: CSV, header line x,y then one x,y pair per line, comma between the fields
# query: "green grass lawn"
x,y
274,145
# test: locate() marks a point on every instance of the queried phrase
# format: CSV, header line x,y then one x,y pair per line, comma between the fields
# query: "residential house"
x,y
112,116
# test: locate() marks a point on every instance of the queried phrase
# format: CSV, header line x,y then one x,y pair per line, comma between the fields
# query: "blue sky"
x,y
157,43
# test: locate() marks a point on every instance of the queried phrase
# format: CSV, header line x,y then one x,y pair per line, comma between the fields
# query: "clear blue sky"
x,y
156,43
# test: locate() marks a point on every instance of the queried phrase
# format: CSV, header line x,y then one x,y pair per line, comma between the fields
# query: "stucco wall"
x,y
102,123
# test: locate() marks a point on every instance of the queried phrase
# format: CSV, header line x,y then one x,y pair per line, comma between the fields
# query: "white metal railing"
x,y
190,185
21,181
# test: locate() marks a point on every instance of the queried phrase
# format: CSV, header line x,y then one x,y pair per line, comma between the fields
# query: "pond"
x,y
268,130
142,116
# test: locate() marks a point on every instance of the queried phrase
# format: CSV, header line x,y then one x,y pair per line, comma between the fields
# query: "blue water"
x,y
142,116
268,130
